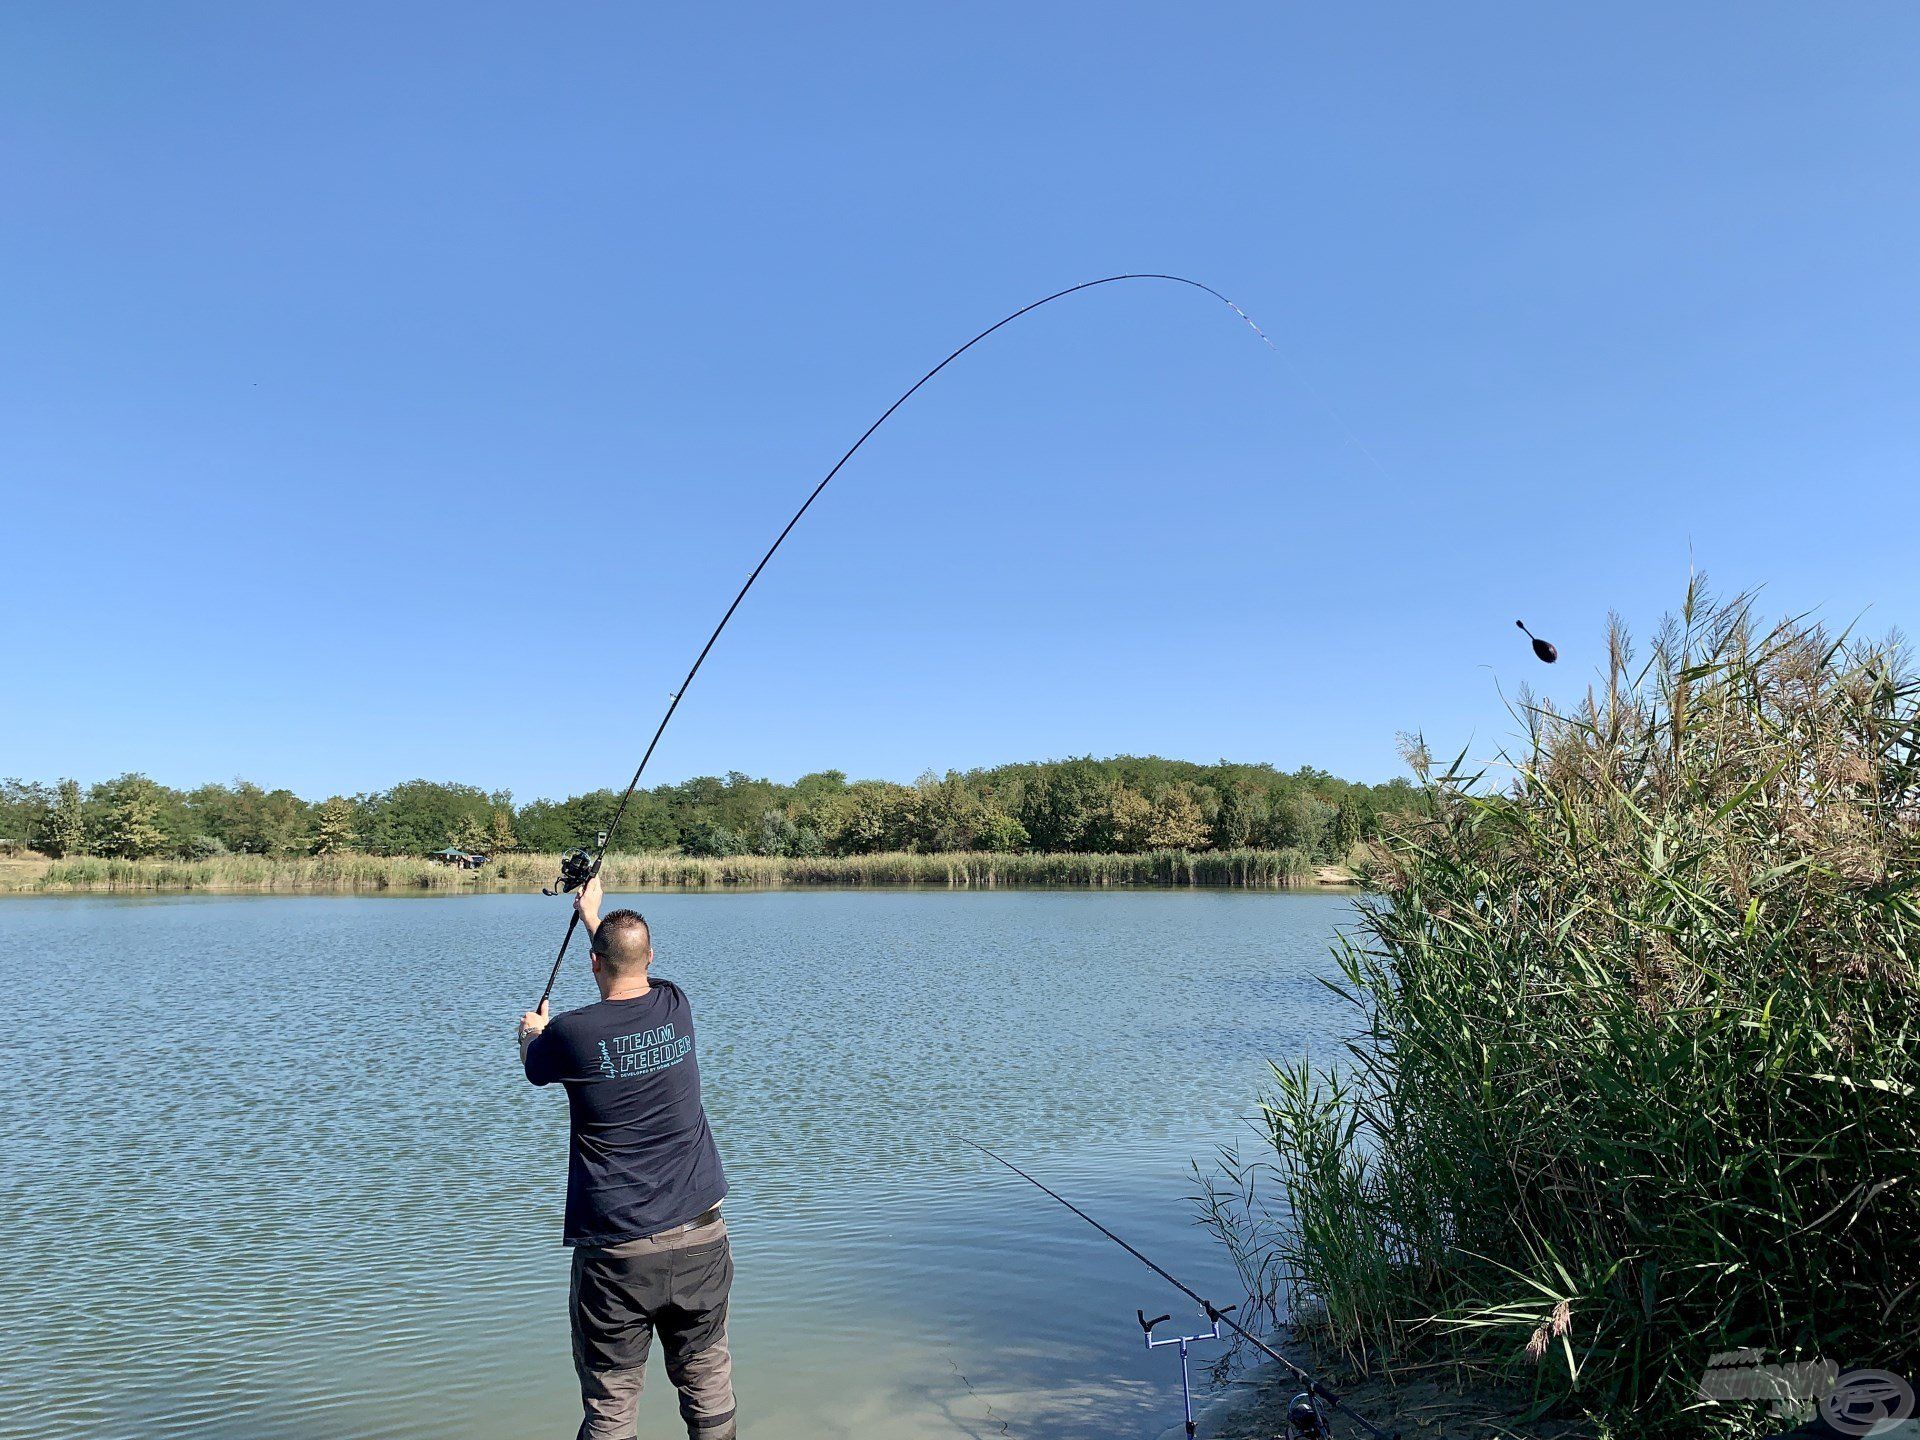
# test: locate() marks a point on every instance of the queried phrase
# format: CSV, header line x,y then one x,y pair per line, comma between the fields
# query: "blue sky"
x,y
393,390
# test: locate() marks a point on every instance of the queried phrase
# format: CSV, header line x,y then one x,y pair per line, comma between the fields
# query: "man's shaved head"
x,y
624,943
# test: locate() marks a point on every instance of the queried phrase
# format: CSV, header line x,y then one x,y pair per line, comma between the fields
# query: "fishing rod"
x,y
577,867
1304,1417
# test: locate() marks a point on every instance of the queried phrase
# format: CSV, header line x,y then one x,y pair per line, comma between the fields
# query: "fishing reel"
x,y
1304,1418
576,869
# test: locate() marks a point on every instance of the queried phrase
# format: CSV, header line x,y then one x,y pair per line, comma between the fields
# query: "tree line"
x,y
1120,805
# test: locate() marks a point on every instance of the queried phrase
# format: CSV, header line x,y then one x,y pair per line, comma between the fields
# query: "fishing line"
x,y
1213,1312
579,866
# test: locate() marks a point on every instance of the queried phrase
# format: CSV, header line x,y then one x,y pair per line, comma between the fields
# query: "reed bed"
x,y
1638,1078
967,870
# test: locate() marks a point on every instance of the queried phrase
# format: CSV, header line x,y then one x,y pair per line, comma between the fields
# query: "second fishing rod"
x,y
1303,1415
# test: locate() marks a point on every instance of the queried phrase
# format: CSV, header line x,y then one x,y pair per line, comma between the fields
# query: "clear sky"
x,y
402,389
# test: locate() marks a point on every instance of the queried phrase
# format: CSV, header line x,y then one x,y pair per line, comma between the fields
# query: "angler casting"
x,y
644,1186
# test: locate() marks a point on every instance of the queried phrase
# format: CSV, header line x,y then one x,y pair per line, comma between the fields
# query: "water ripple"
x,y
272,1173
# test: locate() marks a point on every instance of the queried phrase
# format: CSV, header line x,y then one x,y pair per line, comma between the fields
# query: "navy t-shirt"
x,y
642,1158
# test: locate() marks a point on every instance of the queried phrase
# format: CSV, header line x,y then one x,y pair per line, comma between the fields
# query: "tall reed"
x,y
1638,1075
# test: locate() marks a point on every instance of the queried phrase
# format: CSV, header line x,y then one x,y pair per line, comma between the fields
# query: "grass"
x,y
1246,869
1637,1078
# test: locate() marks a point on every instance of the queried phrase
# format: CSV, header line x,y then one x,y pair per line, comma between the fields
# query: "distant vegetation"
x,y
1122,806
954,869
1638,1078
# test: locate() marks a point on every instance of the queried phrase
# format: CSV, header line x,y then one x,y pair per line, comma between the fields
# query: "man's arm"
x,y
587,905
531,1025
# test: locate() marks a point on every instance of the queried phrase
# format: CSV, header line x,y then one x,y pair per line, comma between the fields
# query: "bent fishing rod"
x,y
1213,1312
577,867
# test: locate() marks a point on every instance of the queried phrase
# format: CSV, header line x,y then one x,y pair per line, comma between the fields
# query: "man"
x,y
650,1250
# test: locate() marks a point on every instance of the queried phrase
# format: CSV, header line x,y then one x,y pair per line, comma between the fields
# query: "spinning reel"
x,y
1304,1418
577,867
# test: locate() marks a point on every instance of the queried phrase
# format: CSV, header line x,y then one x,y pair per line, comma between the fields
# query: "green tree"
x,y
422,815
500,836
776,833
1299,820
812,787
706,838
1063,804
1346,830
67,823
1129,818
1239,819
873,815
234,815
130,814
333,826
283,824
1001,833
24,811
946,814
1177,822
545,826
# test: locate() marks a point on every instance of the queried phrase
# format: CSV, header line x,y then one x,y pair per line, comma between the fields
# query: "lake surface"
x,y
271,1171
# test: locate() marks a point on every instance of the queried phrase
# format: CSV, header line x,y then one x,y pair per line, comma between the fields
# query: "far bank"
x,y
958,870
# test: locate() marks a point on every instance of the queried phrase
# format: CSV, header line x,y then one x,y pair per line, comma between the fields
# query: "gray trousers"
x,y
675,1284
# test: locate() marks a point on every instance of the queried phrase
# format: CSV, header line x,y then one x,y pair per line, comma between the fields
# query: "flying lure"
x,y
1540,647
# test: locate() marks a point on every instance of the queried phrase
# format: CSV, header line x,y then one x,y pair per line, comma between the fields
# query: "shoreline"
x,y
523,874
1253,1406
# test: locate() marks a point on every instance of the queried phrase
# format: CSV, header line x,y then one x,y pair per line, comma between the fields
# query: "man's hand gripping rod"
x,y
577,867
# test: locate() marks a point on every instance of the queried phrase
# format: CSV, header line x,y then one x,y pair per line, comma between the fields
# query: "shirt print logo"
x,y
643,1052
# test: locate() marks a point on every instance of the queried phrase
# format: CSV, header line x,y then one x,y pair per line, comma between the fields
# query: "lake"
x,y
272,1172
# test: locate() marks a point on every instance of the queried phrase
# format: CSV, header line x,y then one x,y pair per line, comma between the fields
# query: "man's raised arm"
x,y
587,906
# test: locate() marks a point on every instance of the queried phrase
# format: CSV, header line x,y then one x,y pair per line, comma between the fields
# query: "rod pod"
x,y
1183,1341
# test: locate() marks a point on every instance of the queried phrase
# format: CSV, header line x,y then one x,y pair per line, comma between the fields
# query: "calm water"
x,y
271,1172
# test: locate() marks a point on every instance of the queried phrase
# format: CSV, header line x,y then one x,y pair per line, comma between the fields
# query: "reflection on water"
x,y
272,1174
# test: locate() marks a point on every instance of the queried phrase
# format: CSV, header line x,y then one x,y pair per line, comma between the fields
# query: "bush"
x,y
1001,834
1637,1081
705,839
